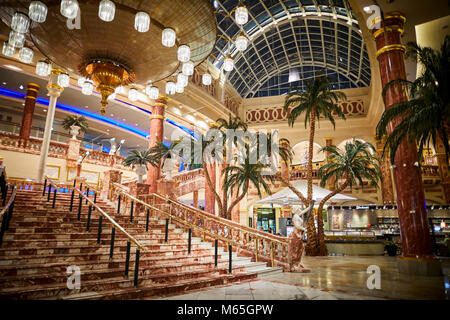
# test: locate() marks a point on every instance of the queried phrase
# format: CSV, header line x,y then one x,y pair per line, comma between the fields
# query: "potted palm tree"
x,y
351,165
318,100
74,124
138,160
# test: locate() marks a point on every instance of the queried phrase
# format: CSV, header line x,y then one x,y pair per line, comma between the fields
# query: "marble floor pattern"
x,y
333,278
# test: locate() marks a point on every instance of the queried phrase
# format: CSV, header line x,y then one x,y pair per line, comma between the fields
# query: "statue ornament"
x,y
296,246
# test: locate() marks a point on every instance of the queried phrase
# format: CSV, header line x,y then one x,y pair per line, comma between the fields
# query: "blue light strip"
x,y
19,95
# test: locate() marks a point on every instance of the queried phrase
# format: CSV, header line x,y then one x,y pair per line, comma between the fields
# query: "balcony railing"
x,y
258,244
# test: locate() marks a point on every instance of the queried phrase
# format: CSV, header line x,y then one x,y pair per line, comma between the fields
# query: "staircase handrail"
x,y
104,214
233,229
10,201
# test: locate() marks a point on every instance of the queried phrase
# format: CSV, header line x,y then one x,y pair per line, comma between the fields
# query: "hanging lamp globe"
x,y
116,47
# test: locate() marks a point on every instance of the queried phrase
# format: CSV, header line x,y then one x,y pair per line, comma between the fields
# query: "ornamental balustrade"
x,y
15,143
351,108
258,244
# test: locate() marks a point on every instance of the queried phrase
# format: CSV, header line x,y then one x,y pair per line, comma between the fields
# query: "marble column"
x,y
28,110
195,199
387,189
156,134
54,91
415,236
443,168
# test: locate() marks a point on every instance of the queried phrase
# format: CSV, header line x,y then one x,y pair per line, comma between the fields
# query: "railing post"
x,y
88,223
216,247
127,258
45,186
256,248
54,198
71,200
48,192
111,249
189,241
118,204
87,194
131,210
74,183
147,219
99,232
271,253
95,199
136,267
167,230
230,259
79,208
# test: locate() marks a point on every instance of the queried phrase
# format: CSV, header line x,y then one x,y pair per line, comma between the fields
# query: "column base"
x,y
419,267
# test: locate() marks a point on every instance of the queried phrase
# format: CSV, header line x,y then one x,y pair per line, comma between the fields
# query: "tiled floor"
x,y
333,278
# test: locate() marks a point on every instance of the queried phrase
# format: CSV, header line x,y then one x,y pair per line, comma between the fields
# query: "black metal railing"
x,y
7,211
93,206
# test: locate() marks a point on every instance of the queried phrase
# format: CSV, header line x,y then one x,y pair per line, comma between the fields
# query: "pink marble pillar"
x,y
195,200
414,228
156,134
28,111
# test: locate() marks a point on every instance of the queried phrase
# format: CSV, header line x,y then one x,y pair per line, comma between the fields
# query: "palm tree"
x,y
233,123
240,176
425,117
139,159
316,101
357,162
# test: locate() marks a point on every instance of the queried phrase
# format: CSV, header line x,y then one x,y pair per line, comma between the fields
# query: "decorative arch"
x,y
300,151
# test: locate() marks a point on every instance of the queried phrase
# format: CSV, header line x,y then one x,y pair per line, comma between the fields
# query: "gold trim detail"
x,y
57,71
32,84
31,97
157,116
32,89
391,47
159,104
55,86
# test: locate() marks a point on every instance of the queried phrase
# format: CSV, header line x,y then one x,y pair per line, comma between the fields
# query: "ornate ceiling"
x,y
301,36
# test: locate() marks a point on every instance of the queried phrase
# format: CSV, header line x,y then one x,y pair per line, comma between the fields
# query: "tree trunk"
x,y
292,188
321,246
211,186
235,202
311,229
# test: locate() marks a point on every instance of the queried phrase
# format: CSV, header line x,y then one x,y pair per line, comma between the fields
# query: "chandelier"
x,y
110,44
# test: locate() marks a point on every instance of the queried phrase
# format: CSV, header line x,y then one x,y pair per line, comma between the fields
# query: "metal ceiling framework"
x,y
309,36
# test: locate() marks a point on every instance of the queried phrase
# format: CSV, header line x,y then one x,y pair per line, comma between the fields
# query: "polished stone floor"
x,y
334,278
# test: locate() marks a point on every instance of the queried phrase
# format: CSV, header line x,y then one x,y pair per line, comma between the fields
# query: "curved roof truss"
x,y
287,34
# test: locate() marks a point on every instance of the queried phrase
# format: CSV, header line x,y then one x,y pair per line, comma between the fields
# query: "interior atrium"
x,y
225,150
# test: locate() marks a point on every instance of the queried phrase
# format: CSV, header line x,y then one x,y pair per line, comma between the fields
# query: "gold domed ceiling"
x,y
115,49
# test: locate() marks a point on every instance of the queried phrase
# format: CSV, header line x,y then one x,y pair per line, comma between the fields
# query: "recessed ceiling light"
x,y
195,113
112,115
21,87
4,83
12,67
123,119
45,110
180,106
367,9
107,129
136,124
86,107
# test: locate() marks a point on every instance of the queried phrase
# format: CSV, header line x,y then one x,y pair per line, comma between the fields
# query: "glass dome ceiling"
x,y
292,37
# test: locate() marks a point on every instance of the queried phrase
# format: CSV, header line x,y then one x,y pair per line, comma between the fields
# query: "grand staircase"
x,y
42,242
